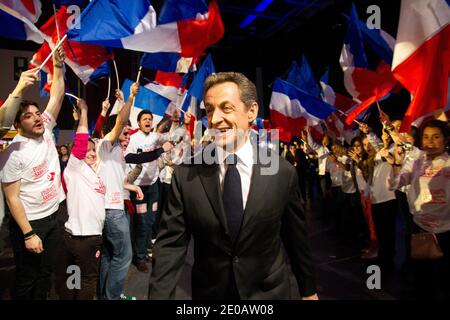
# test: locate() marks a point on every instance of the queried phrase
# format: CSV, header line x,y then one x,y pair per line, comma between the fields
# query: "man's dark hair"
x,y
247,89
24,105
141,114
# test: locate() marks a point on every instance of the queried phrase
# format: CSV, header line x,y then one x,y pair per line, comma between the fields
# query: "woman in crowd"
x,y
82,239
64,153
429,202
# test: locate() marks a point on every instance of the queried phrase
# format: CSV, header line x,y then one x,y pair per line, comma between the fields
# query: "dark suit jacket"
x,y
255,263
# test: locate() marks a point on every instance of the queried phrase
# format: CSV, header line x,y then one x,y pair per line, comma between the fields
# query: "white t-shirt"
x,y
111,169
362,184
380,191
429,192
145,142
335,173
322,155
85,199
348,186
35,163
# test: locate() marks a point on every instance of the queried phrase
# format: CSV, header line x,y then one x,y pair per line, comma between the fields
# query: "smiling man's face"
x,y
228,117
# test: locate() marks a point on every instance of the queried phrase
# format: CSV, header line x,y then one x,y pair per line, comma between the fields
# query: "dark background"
x,y
262,51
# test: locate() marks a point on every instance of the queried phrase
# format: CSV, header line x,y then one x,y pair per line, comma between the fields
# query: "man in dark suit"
x,y
238,213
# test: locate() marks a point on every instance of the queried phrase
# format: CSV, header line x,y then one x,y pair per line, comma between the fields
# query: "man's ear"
x,y
252,112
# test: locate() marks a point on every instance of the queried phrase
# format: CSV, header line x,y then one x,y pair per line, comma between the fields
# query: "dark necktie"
x,y
232,197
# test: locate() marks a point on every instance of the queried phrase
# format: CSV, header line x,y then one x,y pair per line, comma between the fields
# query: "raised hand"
x,y
58,57
364,128
119,95
105,106
134,90
82,104
27,79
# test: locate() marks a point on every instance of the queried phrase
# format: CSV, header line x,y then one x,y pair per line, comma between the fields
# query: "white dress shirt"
x,y
245,167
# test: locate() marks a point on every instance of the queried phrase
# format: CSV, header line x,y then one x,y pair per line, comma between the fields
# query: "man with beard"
x,y
32,185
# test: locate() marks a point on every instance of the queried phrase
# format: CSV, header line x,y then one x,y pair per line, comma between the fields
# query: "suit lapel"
x,y
209,176
256,195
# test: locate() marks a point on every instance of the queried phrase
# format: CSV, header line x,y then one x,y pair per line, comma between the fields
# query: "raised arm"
x,y
58,87
311,143
148,156
101,118
124,114
80,144
11,106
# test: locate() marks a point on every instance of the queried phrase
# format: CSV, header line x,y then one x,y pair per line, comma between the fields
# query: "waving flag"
x,y
89,62
60,3
168,62
14,25
146,99
29,9
303,78
132,25
379,40
336,99
364,85
294,109
166,84
207,68
46,71
178,10
422,56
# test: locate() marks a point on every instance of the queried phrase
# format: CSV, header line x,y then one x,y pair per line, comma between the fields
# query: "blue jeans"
x,y
116,254
143,220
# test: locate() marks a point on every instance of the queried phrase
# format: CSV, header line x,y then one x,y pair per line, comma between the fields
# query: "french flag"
x,y
17,23
168,62
293,109
421,60
336,99
166,84
88,62
132,25
364,85
47,69
303,78
29,9
146,99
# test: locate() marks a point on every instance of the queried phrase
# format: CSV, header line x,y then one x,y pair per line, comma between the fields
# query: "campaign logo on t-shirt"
x,y
115,197
40,170
101,188
49,194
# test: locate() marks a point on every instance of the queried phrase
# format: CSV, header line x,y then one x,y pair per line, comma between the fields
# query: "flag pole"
x,y
379,108
117,73
56,22
137,81
72,95
109,88
51,54
344,114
